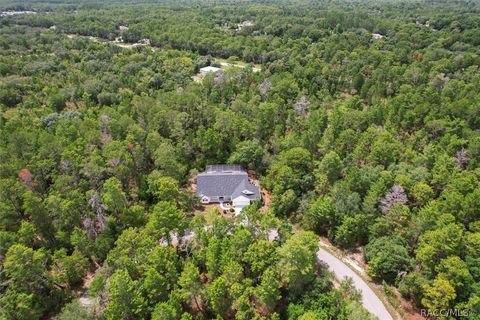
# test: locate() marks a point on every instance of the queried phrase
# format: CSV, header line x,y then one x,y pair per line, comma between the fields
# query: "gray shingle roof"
x,y
225,181
246,185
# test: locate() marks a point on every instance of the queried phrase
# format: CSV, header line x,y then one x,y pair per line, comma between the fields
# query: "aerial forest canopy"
x,y
360,119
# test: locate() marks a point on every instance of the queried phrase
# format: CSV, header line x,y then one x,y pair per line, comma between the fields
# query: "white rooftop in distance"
x,y
209,69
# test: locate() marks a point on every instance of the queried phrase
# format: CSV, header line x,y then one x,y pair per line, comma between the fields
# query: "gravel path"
x,y
369,299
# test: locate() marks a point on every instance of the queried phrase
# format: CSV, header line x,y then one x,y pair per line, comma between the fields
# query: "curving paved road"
x,y
369,299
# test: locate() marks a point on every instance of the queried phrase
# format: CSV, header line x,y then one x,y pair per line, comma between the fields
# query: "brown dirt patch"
x,y
192,185
410,312
266,196
87,281
356,256
267,199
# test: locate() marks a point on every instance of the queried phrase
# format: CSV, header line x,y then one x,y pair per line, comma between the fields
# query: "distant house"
x,y
145,42
225,183
245,24
203,71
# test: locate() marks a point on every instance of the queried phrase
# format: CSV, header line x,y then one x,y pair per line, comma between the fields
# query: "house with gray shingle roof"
x,y
225,183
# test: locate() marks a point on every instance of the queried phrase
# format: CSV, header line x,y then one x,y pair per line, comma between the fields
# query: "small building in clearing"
x,y
203,71
225,183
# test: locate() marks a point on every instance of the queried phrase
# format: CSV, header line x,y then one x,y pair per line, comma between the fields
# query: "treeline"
x,y
213,30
